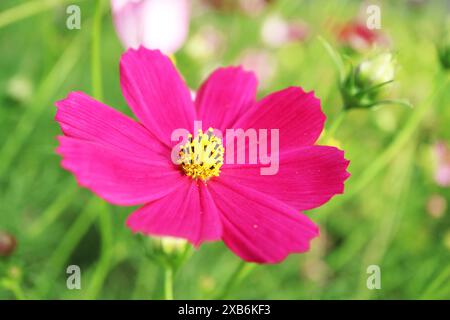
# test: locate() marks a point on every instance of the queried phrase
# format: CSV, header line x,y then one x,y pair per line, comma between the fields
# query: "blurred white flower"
x,y
155,24
19,88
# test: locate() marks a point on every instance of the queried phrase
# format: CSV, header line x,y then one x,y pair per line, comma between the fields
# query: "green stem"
x,y
14,287
69,242
96,68
241,272
337,123
52,213
168,282
41,102
104,264
434,286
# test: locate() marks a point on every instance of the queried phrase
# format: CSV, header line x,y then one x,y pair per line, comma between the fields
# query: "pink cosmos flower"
x,y
128,162
155,24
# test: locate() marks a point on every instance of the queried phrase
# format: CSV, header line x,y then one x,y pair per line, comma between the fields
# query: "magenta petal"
x,y
307,176
82,117
111,154
224,96
188,212
295,113
156,93
117,176
257,227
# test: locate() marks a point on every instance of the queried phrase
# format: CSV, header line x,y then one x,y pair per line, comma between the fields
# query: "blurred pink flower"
x,y
442,173
259,217
248,7
155,24
436,205
262,62
277,31
356,36
207,42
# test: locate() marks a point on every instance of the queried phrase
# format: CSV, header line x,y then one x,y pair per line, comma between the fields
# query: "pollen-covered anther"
x,y
201,157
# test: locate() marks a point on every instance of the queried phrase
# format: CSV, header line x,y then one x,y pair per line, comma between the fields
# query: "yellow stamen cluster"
x,y
201,157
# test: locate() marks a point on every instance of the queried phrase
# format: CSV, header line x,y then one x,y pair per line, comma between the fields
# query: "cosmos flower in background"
x,y
259,217
442,172
356,37
261,61
277,31
248,7
155,24
206,43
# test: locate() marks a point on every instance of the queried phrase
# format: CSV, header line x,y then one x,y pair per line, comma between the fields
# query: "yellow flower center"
x,y
201,157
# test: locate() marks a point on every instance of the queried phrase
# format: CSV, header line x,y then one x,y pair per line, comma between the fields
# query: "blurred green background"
x,y
387,216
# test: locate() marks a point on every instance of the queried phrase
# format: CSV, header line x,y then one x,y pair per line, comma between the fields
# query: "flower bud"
x,y
7,244
167,250
376,71
170,245
364,84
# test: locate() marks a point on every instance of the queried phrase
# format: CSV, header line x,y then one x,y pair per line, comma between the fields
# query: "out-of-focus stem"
x,y
168,282
429,292
70,240
41,102
399,141
241,272
336,124
96,68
